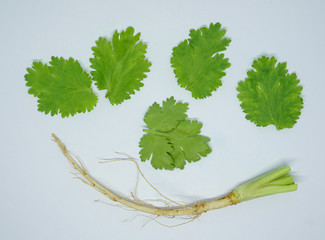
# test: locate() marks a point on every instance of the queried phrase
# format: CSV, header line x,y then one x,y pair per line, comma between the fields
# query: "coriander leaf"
x,y
197,63
165,118
270,95
157,148
62,87
186,135
171,139
119,65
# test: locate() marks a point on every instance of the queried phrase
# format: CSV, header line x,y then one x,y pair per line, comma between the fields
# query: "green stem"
x,y
277,181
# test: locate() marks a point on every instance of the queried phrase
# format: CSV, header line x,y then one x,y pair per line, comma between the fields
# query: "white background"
x,y
39,199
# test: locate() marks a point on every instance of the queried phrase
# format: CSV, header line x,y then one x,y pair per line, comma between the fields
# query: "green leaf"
x,y
157,148
197,61
62,87
165,118
119,65
187,137
171,139
270,95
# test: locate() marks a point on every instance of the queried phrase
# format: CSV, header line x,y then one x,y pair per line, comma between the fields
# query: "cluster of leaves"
x,y
270,95
171,139
197,61
63,87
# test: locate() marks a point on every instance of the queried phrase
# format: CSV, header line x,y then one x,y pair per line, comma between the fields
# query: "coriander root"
x,y
274,182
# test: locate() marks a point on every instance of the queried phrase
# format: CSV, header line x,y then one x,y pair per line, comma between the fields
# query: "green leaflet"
x,y
62,87
119,65
197,61
270,95
171,139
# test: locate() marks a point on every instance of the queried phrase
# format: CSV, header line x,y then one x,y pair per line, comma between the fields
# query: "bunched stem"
x,y
274,182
